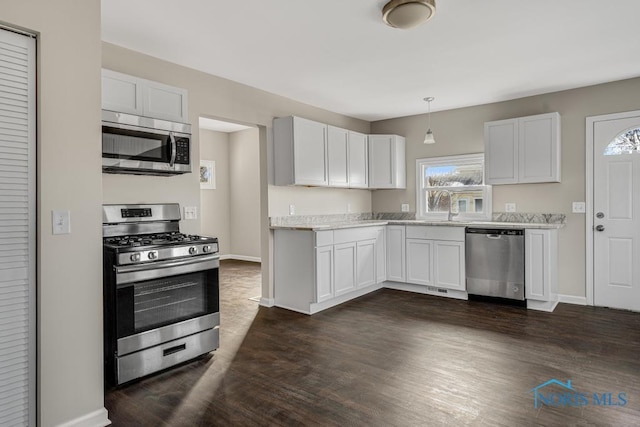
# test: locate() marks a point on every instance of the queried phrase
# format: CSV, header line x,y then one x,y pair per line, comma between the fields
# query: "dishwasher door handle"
x,y
494,236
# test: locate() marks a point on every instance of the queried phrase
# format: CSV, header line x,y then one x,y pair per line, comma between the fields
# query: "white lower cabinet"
x,y
449,265
419,261
345,268
324,273
366,257
541,269
317,270
396,263
435,256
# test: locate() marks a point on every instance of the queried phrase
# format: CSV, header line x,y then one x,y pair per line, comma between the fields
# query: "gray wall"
x,y
70,382
461,131
214,204
244,162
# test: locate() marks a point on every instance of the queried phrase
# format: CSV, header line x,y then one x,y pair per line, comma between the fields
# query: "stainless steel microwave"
x,y
144,146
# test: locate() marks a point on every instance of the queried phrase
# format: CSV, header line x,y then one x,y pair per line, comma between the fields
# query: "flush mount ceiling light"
x,y
408,13
428,137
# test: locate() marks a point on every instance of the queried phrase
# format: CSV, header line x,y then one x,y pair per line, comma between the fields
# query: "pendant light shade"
x,y
407,14
428,137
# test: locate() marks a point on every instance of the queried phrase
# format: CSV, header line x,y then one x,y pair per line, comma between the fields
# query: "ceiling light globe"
x,y
407,14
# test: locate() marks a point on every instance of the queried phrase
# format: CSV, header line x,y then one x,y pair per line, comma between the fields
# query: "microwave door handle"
x,y
174,149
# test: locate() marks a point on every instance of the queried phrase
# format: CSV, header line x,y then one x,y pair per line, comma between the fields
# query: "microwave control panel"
x,y
182,151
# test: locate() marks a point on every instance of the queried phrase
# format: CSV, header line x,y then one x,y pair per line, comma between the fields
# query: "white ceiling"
x,y
338,55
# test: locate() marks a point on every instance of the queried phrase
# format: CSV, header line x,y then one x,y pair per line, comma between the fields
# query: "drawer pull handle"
x,y
168,351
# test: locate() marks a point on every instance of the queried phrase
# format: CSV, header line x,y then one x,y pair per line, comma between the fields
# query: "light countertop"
x,y
374,223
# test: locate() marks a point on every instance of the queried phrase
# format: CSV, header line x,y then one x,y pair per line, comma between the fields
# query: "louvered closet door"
x,y
17,229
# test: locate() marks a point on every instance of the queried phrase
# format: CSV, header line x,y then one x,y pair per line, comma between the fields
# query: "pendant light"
x,y
428,138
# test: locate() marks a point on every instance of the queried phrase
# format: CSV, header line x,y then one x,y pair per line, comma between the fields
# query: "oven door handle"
x,y
137,273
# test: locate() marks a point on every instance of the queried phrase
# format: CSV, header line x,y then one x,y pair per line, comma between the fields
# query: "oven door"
x,y
161,301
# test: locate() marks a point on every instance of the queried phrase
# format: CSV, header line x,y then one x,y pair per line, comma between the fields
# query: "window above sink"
x,y
452,188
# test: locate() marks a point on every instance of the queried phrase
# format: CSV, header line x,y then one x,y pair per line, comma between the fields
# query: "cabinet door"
x,y
539,273
366,263
344,277
358,160
381,161
121,92
539,148
324,273
419,262
381,255
396,253
501,152
338,155
448,260
164,102
310,152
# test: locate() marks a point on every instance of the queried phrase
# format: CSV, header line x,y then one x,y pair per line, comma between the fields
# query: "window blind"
x,y
17,229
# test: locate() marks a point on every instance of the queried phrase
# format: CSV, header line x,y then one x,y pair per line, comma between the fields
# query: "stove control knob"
x,y
193,250
135,257
206,248
153,255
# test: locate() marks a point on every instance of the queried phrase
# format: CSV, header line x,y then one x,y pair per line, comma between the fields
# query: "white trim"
x,y
241,258
267,302
97,418
572,299
463,159
589,143
422,289
547,306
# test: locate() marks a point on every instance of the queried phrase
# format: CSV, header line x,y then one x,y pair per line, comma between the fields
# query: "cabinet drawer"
x,y
324,238
347,235
435,232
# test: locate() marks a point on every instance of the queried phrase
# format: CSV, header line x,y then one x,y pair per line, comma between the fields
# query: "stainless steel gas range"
x,y
161,301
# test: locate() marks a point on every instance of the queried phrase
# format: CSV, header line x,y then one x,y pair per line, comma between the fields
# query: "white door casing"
x,y
613,218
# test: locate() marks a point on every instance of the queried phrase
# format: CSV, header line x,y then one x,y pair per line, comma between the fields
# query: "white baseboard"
x,y
571,299
267,302
241,258
97,418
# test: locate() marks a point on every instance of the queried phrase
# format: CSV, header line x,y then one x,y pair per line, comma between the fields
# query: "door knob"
x,y
599,227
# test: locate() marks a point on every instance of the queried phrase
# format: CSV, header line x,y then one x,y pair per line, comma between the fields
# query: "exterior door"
x,y
616,210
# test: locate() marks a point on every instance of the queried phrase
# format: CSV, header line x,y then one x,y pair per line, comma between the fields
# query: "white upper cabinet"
x,y
523,150
121,92
358,160
387,164
134,95
338,155
300,148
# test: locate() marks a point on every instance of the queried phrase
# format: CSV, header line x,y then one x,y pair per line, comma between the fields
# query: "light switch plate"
x,y
190,212
404,207
61,221
509,207
579,207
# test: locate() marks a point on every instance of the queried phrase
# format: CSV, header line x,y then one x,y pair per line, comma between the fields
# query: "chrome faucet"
x,y
450,213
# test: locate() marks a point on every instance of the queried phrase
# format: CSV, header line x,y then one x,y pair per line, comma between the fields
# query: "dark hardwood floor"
x,y
393,358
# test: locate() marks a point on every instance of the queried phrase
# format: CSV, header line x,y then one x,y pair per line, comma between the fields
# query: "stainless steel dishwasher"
x,y
495,262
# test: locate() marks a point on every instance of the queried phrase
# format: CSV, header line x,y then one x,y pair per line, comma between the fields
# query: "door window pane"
x,y
625,143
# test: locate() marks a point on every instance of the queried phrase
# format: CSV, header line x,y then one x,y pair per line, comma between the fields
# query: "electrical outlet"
x,y
190,212
292,209
61,221
404,207
579,207
509,207
348,207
